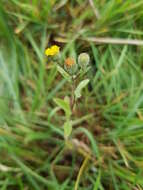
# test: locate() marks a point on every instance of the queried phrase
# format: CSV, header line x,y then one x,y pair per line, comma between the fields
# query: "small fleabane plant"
x,y
74,72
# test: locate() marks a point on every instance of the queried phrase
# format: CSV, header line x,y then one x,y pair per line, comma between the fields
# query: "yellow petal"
x,y
53,50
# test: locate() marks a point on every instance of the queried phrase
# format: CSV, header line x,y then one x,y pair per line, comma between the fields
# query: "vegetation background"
x,y
109,119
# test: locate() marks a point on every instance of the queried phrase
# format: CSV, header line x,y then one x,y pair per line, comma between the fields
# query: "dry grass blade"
x,y
95,10
108,40
82,168
4,168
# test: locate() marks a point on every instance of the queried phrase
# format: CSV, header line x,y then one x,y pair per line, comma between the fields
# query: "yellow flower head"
x,y
53,50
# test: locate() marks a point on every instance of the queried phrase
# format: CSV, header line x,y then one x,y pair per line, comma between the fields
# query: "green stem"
x,y
73,100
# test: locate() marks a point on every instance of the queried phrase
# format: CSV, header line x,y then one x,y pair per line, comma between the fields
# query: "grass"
x,y
107,146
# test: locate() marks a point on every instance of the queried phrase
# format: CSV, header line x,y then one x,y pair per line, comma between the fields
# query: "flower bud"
x,y
70,66
83,60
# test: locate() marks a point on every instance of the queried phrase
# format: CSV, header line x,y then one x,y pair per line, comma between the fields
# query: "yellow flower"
x,y
53,50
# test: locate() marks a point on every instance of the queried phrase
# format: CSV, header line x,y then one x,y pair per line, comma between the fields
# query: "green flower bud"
x,y
83,60
70,66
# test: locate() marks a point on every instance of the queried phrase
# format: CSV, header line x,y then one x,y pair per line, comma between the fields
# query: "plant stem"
x,y
73,100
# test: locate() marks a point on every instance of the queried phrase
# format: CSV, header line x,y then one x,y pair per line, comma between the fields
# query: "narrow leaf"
x,y
64,106
79,88
64,73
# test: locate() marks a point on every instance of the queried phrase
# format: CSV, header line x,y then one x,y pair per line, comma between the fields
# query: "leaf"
x,y
67,99
67,129
79,88
64,105
64,73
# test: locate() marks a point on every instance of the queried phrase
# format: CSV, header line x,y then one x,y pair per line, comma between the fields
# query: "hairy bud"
x,y
83,60
70,66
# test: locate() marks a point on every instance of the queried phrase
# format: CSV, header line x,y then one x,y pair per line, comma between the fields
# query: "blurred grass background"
x,y
109,121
